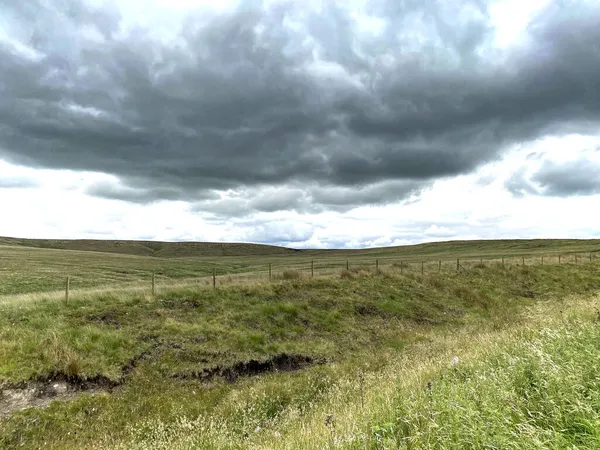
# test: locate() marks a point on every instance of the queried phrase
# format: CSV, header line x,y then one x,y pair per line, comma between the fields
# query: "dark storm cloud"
x,y
240,104
110,190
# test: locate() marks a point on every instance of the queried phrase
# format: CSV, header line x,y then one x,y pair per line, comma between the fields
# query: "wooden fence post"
x,y
401,267
67,287
269,271
439,266
347,265
590,257
376,264
422,267
503,262
457,264
559,259
312,268
153,284
542,260
523,260
214,278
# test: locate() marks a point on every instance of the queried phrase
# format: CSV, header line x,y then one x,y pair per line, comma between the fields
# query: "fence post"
x,y
153,284
376,264
590,257
503,262
439,266
559,259
312,268
401,267
457,264
347,265
542,260
523,260
269,271
422,267
67,287
214,278
575,259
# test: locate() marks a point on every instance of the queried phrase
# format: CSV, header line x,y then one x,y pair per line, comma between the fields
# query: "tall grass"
x,y
534,385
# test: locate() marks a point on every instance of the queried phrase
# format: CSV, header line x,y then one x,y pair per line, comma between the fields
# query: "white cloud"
x,y
440,232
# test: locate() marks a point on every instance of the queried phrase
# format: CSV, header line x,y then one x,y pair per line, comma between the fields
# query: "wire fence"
x,y
290,270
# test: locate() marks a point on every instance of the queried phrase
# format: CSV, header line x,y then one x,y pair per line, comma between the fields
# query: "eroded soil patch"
x,y
41,392
110,318
283,362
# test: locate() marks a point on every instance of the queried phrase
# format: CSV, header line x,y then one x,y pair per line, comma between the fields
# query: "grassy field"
x,y
32,266
487,357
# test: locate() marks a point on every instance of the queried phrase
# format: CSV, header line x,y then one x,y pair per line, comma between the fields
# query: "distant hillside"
x,y
152,248
472,248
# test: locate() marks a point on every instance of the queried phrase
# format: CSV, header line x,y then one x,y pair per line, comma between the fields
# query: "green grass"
x,y
399,328
539,389
32,266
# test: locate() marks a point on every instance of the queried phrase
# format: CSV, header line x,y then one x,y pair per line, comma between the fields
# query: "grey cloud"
x,y
344,198
241,105
552,179
140,194
580,177
518,184
309,199
252,201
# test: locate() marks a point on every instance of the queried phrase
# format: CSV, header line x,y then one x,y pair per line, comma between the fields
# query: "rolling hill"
x,y
162,249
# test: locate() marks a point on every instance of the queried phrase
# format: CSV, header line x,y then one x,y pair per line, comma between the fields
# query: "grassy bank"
x,y
533,385
246,364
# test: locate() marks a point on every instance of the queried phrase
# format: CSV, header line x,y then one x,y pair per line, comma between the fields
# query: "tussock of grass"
x,y
291,274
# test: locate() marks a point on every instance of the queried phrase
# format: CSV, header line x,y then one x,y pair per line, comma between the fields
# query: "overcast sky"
x,y
301,123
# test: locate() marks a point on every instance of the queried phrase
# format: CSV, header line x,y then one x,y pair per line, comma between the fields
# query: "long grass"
x,y
534,384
